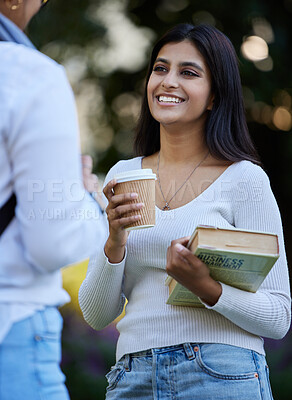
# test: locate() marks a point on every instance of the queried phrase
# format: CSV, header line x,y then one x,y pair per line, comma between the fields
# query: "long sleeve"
x,y
100,296
59,223
268,311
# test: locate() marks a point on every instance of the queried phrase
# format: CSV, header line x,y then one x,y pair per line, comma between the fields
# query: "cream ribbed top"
x,y
241,197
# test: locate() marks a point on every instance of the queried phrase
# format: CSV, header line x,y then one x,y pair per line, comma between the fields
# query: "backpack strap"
x,y
7,212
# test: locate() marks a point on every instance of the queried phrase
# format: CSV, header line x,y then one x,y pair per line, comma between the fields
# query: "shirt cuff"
x,y
213,307
122,262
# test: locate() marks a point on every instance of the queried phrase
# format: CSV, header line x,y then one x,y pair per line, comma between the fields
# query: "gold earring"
x,y
13,7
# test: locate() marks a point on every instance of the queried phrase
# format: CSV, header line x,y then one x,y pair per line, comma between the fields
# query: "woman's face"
x,y
179,88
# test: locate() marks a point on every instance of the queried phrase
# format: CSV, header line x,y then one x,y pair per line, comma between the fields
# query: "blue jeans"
x,y
29,359
191,372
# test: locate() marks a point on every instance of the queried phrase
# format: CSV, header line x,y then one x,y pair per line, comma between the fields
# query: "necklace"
x,y
167,207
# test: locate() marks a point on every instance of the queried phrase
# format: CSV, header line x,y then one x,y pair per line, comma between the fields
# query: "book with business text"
x,y
236,257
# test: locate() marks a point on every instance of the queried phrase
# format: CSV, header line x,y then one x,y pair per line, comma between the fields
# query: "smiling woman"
x,y
192,132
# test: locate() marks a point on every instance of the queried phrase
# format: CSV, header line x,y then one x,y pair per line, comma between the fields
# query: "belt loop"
x,y
127,362
189,351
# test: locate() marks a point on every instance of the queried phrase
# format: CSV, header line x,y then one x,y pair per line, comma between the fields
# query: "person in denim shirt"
x,y
56,220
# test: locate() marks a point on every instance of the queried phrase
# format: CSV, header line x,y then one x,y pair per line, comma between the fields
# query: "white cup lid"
x,y
135,175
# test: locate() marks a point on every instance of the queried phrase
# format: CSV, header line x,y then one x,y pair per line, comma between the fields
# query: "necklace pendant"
x,y
166,207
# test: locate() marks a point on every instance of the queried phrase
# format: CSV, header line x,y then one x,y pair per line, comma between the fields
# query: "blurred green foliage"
x,y
87,357
104,46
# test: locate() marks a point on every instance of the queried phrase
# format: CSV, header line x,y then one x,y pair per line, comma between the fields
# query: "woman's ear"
x,y
211,102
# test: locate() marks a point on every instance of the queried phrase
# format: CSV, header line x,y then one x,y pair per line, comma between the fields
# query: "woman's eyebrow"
x,y
191,64
160,59
182,64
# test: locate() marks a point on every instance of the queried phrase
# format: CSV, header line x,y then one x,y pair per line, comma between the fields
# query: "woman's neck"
x,y
177,146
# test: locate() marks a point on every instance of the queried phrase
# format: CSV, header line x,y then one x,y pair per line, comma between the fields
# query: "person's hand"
x,y
191,272
118,208
90,180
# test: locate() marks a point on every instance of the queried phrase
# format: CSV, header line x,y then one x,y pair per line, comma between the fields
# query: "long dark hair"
x,y
226,133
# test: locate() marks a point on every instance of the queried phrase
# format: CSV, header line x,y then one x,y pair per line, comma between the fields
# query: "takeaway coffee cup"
x,y
141,181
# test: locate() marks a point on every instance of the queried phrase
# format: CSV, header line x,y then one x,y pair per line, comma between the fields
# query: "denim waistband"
x,y
188,347
190,350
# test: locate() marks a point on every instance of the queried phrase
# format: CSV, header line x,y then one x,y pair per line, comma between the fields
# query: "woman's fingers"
x,y
191,272
186,255
122,210
172,252
183,241
108,189
180,259
124,221
123,198
116,200
120,206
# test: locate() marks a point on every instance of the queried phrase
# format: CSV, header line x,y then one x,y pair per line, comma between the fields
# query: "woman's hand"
x,y
118,208
191,272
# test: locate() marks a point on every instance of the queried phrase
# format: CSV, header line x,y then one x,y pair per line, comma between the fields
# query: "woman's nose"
x,y
170,81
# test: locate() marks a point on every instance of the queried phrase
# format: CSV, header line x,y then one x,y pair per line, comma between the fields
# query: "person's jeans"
x,y
191,372
29,359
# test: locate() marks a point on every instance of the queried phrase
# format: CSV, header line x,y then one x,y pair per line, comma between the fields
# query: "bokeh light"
x,y
282,98
254,48
125,45
265,65
282,119
262,28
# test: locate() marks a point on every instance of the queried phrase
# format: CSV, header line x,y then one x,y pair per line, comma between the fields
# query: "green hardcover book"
x,y
239,258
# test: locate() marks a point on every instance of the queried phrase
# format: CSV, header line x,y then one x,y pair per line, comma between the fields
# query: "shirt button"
x,y
38,338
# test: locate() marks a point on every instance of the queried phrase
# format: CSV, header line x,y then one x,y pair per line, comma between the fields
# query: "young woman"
x,y
192,132
39,145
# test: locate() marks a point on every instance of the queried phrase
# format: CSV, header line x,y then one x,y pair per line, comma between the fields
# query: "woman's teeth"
x,y
166,99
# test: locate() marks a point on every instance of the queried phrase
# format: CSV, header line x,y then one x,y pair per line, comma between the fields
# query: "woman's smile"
x,y
169,99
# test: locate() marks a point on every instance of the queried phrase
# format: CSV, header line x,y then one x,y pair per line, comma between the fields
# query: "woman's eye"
x,y
189,73
159,68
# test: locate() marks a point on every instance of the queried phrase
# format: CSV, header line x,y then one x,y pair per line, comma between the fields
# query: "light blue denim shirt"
x,y
56,222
